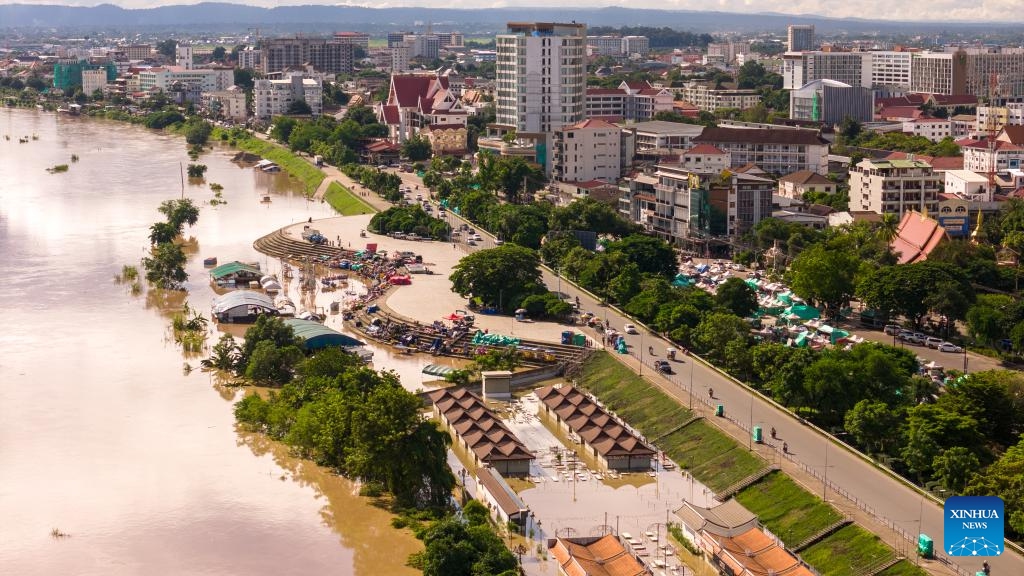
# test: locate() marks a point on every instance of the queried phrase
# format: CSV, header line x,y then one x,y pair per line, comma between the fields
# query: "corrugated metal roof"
x,y
316,335
231,268
242,298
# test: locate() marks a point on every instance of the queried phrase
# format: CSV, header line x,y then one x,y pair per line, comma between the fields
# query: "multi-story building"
x,y
705,159
991,119
452,39
227,104
968,185
800,37
744,199
250,57
1003,152
890,71
357,39
830,102
93,80
67,73
609,45
540,76
204,79
326,55
800,68
397,38
934,129
183,56
657,138
996,74
798,183
776,150
426,46
726,52
425,104
638,101
635,45
274,97
136,51
588,150
894,187
709,99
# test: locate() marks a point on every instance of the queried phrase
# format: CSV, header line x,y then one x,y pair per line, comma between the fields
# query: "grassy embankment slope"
x,y
718,461
345,202
309,175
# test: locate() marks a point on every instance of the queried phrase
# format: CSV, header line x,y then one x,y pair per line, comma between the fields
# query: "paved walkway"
x,y
887,506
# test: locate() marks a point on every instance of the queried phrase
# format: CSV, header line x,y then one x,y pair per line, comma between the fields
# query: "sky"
x,y
978,10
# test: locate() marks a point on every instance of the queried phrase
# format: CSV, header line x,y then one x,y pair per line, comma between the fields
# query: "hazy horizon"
x,y
910,10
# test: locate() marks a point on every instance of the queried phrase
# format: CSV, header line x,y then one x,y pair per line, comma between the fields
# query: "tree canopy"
x,y
501,276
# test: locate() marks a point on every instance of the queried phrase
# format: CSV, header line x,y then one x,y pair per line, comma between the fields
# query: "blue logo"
x,y
973,526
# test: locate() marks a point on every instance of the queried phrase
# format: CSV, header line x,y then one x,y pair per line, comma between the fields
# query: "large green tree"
x,y
652,255
416,148
501,276
824,276
736,296
165,267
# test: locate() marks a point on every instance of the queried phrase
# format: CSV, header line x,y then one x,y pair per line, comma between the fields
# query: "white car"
x,y
950,347
478,238
631,329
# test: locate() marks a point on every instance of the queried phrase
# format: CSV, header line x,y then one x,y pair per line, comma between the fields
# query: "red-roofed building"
x,y
916,237
594,556
424,104
1002,153
938,163
587,150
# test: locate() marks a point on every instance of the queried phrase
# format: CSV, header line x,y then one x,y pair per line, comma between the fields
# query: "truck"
x,y
319,161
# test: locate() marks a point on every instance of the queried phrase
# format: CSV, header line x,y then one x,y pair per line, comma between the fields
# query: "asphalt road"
x,y
886,496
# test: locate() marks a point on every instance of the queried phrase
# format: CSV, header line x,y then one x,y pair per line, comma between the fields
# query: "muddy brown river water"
x,y
103,436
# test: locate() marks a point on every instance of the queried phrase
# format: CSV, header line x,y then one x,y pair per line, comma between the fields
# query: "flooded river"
x,y
102,435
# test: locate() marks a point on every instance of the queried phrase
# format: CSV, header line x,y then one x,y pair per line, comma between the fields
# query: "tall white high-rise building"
x,y
183,56
800,37
540,76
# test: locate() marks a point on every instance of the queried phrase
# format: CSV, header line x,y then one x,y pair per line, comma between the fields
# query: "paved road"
x,y
886,496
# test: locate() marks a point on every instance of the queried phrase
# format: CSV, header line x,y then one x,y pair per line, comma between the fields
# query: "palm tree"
x,y
887,227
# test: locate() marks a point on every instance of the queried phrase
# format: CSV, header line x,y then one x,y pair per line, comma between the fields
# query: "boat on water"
x,y
265,200
267,166
210,262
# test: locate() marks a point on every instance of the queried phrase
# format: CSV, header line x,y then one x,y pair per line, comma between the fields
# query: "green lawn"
x,y
345,202
715,459
636,401
788,510
848,552
310,176
904,568
711,456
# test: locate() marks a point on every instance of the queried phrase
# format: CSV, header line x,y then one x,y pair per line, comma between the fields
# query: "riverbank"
x,y
309,175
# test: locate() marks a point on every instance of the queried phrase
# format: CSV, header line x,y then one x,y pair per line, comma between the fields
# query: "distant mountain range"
x,y
224,16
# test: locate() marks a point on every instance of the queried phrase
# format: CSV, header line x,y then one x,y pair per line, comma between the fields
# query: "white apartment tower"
x,y
800,37
183,56
540,76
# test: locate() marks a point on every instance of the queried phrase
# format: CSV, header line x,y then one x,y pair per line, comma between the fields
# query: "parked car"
x,y
470,242
499,242
950,347
891,329
905,335
933,342
663,366
630,329
478,238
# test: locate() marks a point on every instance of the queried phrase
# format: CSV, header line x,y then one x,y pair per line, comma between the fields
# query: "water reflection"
x,y
102,435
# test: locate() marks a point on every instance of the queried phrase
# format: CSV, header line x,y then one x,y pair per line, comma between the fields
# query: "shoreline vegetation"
x,y
307,174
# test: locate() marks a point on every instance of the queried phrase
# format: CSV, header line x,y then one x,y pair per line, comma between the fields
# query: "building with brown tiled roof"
x,y
916,237
425,104
594,556
796,184
481,432
606,438
732,540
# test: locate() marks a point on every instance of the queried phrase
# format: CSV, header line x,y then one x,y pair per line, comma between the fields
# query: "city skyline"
x,y
861,10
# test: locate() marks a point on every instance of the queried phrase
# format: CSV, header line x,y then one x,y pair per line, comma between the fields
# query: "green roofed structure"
x,y
316,336
236,271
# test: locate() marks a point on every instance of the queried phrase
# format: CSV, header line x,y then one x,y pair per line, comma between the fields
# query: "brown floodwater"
x,y
103,436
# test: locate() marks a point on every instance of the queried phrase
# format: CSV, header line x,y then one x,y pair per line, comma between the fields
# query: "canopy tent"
x,y
838,335
803,312
438,370
682,281
493,339
753,284
235,268
801,340
785,297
